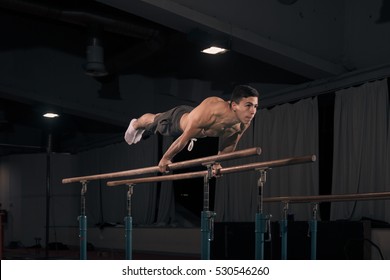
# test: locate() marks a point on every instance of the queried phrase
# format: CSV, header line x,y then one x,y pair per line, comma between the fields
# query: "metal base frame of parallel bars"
x,y
262,222
208,215
313,222
83,222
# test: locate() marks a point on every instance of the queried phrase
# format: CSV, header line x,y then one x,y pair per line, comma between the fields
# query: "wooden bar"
x,y
329,198
227,170
173,166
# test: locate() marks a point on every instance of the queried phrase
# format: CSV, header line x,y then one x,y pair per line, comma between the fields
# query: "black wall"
x,y
338,240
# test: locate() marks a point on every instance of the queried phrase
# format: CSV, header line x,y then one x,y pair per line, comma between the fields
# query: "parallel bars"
x,y
173,166
227,170
313,222
128,219
208,216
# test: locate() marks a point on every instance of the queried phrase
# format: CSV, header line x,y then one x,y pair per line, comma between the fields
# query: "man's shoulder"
x,y
212,105
213,99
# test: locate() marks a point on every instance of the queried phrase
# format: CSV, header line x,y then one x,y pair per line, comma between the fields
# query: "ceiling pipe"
x,y
16,146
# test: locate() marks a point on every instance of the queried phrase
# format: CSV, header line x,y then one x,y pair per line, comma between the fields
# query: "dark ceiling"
x,y
132,45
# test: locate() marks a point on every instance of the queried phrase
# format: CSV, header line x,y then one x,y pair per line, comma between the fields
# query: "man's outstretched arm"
x,y
178,145
228,142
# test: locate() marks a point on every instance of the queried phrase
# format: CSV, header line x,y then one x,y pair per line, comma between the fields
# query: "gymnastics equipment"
x,y
207,216
315,200
128,219
172,166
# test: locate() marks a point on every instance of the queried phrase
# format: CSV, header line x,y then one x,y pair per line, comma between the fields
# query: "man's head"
x,y
244,103
242,91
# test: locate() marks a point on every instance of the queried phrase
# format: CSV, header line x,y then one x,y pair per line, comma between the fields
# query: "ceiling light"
x,y
209,43
95,59
214,50
51,115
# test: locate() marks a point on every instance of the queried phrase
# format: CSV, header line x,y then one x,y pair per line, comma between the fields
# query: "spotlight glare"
x,y
214,50
51,115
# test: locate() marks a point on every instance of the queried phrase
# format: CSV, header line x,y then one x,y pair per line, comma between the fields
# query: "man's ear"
x,y
233,105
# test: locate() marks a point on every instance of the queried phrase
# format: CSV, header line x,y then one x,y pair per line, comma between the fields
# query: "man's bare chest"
x,y
219,129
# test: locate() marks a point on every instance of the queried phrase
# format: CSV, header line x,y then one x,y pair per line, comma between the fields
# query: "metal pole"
x,y
83,223
1,235
261,220
48,180
283,231
207,219
313,232
129,226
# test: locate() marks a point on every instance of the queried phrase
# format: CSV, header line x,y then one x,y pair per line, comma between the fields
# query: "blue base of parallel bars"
x,y
260,230
206,234
83,237
128,237
283,231
313,239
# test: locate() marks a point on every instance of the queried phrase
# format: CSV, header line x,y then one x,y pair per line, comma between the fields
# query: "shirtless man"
x,y
214,117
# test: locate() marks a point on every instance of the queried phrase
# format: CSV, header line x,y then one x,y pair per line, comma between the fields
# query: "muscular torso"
x,y
213,118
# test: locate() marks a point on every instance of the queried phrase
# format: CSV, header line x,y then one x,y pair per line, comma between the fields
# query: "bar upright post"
x,y
313,233
262,222
207,222
83,223
1,235
129,225
283,231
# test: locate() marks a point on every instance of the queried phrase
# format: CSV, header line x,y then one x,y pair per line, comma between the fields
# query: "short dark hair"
x,y
243,91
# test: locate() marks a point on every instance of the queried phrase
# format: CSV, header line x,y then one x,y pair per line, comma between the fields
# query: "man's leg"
x,y
144,120
137,127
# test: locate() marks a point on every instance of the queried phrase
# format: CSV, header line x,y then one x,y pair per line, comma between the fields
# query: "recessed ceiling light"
x,y
214,50
51,115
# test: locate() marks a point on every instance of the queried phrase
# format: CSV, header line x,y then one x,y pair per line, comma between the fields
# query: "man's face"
x,y
246,109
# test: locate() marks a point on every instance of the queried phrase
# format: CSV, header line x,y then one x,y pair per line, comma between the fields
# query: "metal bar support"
x,y
83,222
283,232
207,222
129,226
262,222
313,232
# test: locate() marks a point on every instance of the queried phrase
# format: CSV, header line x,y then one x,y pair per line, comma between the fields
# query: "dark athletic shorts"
x,y
168,123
